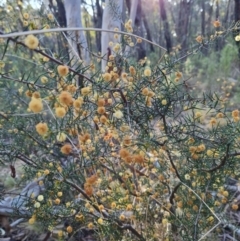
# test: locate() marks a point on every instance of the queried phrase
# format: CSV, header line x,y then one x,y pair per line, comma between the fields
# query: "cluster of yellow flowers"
x,y
97,122
216,23
196,150
36,105
31,41
235,115
128,26
237,38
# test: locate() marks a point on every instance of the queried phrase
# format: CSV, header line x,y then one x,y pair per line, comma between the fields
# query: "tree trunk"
x,y
77,40
97,19
137,17
183,23
139,29
60,43
133,11
227,13
237,10
112,17
218,45
128,4
237,18
217,10
166,29
209,20
203,18
58,11
149,36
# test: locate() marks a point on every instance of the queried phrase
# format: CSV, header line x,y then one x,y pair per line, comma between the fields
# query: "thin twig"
x,y
210,231
198,215
173,192
53,59
173,165
15,223
17,34
47,236
222,163
25,82
134,231
202,201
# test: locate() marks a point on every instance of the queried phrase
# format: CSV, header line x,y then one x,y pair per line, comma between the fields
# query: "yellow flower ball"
x,y
85,91
101,110
178,75
117,47
57,201
42,128
31,220
60,112
9,8
164,221
164,102
90,225
107,76
225,193
129,207
25,23
35,105
147,72
235,113
26,16
198,114
59,194
46,172
50,17
237,38
66,149
100,221
234,207
199,39
61,137
113,205
44,79
40,198
103,119
118,114
213,121
210,219
216,24
132,70
37,205
65,98
220,115
60,233
45,59
36,95
145,91
62,70
69,229
2,64
77,104
31,42
122,217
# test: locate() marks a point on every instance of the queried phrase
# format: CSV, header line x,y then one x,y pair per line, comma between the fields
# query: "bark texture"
x,y
112,17
166,29
78,43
